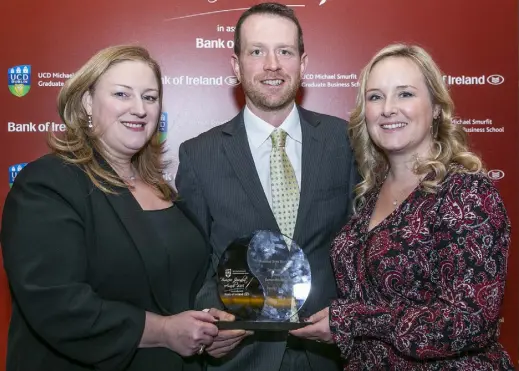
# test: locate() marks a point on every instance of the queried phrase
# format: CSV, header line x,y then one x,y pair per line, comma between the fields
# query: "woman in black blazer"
x,y
103,267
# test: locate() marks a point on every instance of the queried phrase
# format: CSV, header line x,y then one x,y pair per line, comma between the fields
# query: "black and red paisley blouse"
x,y
422,290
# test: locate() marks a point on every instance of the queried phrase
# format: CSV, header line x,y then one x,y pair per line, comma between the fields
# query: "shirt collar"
x,y
259,130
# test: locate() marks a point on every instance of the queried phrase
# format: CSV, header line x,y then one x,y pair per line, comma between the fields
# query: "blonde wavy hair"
x,y
80,145
450,142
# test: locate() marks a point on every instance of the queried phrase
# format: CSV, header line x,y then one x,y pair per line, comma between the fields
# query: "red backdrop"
x,y
475,43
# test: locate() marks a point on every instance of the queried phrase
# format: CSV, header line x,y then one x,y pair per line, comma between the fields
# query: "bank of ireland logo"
x,y
495,79
496,174
232,80
163,127
19,80
13,172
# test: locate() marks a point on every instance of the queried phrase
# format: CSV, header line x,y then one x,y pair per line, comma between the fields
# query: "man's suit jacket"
x,y
83,268
218,181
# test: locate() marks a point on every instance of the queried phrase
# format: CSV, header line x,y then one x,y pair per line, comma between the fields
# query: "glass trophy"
x,y
263,279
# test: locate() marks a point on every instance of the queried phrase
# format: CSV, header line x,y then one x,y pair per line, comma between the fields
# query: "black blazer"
x,y
218,181
83,267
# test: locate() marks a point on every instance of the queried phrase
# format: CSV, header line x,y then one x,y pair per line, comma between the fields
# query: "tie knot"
x,y
279,137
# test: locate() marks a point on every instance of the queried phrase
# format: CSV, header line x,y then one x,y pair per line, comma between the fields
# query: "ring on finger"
x,y
201,350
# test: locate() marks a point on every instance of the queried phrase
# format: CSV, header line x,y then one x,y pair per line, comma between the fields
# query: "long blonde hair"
x,y
79,144
450,143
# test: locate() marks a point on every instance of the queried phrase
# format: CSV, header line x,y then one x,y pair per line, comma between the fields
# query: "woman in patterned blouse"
x,y
421,266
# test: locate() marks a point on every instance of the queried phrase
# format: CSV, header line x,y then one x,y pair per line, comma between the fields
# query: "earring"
x,y
434,131
90,121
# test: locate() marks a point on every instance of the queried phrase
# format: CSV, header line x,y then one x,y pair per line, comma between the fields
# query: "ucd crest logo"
x,y
13,172
163,126
19,80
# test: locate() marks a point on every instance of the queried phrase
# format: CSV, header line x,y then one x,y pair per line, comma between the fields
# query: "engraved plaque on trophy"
x,y
263,279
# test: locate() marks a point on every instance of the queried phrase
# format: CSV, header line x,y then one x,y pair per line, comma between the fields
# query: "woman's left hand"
x,y
318,330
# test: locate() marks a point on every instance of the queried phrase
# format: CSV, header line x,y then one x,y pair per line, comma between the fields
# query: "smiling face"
x,y
399,108
125,107
269,65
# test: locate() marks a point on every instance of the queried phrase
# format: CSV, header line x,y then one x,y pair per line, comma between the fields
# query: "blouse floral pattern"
x,y
422,290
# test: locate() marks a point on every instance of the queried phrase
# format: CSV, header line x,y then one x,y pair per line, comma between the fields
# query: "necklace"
x,y
129,178
395,200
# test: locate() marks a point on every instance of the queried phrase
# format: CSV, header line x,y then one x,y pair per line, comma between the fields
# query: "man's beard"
x,y
268,102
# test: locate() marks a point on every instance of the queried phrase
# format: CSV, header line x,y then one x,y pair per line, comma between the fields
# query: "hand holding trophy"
x,y
264,279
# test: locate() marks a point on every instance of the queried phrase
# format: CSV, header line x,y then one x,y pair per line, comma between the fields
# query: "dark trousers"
x,y
295,358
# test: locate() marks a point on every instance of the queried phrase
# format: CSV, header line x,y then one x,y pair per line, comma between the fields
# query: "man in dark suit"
x,y
225,179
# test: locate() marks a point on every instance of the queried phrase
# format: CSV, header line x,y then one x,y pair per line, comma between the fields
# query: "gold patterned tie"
x,y
285,193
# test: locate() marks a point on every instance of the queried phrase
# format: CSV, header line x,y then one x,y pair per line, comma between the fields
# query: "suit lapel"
x,y
237,150
146,242
313,147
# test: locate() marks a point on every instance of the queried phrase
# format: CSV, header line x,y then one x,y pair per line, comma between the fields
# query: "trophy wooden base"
x,y
260,325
